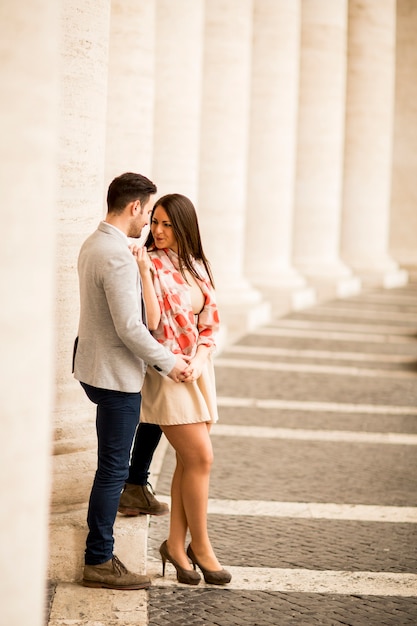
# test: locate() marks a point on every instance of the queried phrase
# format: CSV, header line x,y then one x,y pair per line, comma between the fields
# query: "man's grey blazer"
x,y
114,345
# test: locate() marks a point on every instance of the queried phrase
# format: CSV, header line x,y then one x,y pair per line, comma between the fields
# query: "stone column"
x,y
272,144
84,61
224,152
403,229
28,128
178,83
130,100
368,149
318,190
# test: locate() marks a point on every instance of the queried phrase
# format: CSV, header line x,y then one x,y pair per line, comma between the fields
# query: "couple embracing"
x,y
148,319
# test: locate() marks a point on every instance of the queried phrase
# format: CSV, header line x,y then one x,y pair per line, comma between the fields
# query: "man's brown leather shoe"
x,y
113,575
139,500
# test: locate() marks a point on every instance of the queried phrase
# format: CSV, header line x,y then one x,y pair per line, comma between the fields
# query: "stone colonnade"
x,y
292,127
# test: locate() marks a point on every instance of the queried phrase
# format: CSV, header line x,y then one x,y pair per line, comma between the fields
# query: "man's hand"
x,y
178,371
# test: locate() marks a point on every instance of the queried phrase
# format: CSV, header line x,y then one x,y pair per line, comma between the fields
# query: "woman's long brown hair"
x,y
183,218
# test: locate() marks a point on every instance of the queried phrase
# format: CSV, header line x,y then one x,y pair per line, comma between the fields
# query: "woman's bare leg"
x,y
190,488
178,520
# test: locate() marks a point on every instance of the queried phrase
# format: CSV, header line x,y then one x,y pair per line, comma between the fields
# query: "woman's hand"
x,y
142,259
196,365
153,312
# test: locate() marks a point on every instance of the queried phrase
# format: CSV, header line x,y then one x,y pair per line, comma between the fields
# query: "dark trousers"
x,y
146,440
117,418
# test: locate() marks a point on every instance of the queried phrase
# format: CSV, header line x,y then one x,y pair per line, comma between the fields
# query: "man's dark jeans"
x,y
116,422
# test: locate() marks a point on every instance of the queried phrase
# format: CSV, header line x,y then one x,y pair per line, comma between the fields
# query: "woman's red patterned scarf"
x,y
177,329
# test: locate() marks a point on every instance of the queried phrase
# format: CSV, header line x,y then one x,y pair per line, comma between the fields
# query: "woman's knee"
x,y
192,445
202,460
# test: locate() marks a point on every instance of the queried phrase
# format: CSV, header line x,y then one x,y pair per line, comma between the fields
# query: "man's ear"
x,y
133,208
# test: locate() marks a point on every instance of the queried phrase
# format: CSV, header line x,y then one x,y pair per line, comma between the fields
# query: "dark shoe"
x,y
139,500
218,577
113,575
186,576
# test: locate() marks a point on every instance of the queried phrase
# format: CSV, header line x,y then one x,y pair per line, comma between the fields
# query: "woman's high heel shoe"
x,y
218,577
186,576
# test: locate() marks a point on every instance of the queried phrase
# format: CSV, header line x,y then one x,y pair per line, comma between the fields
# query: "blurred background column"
x,y
224,157
131,86
84,61
403,231
369,143
178,83
319,173
29,50
272,158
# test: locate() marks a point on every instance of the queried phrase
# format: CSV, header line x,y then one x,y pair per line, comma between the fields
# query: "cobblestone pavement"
x,y
313,498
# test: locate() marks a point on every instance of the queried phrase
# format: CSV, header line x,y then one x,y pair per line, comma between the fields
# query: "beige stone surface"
x,y
272,143
29,50
223,155
321,113
178,83
75,605
84,55
84,59
68,532
403,222
130,94
368,144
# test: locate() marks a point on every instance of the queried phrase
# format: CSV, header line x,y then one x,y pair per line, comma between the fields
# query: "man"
x,y
110,357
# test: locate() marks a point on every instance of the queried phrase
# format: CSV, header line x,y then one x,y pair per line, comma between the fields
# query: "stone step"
x,y
68,532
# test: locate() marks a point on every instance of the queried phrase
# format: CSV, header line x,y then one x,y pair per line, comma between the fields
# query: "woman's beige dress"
x,y
167,403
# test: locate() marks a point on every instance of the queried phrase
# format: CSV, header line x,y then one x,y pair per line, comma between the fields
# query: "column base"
x,y
388,279
286,299
337,287
284,278
240,318
380,270
331,280
241,308
286,291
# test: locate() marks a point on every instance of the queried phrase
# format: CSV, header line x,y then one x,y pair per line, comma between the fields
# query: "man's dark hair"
x,y
126,188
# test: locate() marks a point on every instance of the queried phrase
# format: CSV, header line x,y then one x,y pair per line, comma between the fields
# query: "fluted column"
x,y
178,82
272,147
318,190
28,129
368,150
403,231
224,146
130,99
273,136
84,58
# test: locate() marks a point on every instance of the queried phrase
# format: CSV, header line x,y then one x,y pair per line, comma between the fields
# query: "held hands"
x,y
177,374
194,369
187,369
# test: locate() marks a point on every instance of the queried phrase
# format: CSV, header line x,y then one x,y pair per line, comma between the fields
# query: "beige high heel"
x,y
218,577
185,576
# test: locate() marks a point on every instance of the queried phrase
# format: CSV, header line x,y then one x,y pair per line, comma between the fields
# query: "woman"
x,y
183,315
